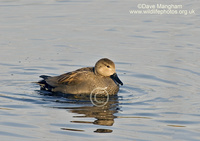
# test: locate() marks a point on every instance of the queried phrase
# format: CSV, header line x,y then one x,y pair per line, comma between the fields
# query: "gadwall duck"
x,y
85,80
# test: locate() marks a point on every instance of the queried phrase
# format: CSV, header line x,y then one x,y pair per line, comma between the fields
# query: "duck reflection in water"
x,y
104,115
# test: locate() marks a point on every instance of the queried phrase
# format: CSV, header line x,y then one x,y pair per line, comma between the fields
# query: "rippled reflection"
x,y
103,116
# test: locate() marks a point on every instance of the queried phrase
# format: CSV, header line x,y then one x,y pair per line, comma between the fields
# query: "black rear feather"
x,y
44,85
44,76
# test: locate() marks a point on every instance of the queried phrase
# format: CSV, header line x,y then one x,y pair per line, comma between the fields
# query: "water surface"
x,y
156,56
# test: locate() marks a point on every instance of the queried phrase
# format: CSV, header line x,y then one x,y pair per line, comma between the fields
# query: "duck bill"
x,y
116,79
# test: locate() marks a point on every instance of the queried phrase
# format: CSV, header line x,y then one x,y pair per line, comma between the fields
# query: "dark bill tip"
x,y
116,78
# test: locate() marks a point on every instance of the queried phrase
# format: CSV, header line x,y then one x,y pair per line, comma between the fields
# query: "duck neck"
x,y
95,72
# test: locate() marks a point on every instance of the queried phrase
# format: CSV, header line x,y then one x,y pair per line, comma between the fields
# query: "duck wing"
x,y
70,78
75,77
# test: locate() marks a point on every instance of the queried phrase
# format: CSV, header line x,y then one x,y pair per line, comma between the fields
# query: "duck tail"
x,y
43,84
44,76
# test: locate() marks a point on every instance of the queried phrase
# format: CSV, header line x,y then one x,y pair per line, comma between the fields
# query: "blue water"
x,y
156,57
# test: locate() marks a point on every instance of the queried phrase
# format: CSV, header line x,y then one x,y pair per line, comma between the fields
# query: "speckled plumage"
x,y
84,80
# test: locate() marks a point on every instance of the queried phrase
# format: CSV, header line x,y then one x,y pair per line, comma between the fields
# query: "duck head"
x,y
106,67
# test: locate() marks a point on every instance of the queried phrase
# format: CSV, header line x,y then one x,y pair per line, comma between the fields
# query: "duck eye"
x,y
108,66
